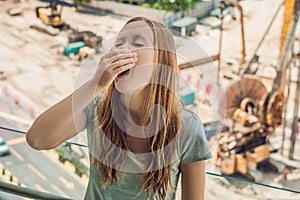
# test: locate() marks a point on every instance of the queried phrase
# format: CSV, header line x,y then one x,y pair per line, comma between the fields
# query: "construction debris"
x,y
73,48
245,147
15,11
86,52
45,29
89,38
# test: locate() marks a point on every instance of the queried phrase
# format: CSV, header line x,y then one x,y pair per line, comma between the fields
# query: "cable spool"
x,y
241,116
244,117
242,93
248,105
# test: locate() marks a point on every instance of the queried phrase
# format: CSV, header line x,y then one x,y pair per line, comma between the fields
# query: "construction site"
x,y
239,71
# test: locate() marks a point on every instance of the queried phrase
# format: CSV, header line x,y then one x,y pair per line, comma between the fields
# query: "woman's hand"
x,y
111,64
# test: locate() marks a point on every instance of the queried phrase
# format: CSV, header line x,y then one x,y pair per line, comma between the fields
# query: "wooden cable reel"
x,y
244,96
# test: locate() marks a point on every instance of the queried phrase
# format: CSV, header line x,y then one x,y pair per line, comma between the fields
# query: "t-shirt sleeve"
x,y
195,147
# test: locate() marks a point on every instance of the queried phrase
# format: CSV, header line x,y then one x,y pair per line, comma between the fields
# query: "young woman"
x,y
140,138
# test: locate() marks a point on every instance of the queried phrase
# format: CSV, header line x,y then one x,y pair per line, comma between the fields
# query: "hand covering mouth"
x,y
125,73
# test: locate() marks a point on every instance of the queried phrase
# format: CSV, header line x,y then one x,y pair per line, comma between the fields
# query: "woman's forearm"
x,y
63,120
193,181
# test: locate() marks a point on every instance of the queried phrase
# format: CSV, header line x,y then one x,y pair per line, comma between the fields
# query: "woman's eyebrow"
x,y
135,37
139,37
119,38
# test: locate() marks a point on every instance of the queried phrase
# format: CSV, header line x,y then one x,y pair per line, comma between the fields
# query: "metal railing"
x,y
35,194
27,192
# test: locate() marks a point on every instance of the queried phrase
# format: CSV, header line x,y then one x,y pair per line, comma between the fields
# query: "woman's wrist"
x,y
97,88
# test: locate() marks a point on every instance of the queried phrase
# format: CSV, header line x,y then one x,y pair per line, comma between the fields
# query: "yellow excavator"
x,y
50,15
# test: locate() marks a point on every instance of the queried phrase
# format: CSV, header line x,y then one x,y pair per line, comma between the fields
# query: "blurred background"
x,y
239,71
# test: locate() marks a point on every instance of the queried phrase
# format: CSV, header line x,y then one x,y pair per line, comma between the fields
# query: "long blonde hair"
x,y
160,91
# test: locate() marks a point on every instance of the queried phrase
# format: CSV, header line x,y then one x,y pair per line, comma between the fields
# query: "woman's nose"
x,y
124,46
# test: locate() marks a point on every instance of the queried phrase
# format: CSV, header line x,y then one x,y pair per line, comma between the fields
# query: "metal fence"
x,y
201,9
27,192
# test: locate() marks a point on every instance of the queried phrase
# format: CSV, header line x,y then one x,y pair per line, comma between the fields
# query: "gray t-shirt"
x,y
191,146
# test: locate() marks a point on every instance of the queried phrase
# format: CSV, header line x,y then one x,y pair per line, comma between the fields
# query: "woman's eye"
x,y
138,44
118,45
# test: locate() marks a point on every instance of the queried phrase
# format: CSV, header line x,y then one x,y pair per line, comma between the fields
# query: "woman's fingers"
x,y
119,63
118,57
127,55
123,68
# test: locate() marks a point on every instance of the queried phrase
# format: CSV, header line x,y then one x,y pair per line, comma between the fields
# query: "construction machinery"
x,y
253,113
223,6
244,146
50,15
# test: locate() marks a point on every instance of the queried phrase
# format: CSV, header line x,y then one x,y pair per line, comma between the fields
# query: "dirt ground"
x,y
33,66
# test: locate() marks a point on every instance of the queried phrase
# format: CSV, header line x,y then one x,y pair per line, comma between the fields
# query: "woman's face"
x,y
137,37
